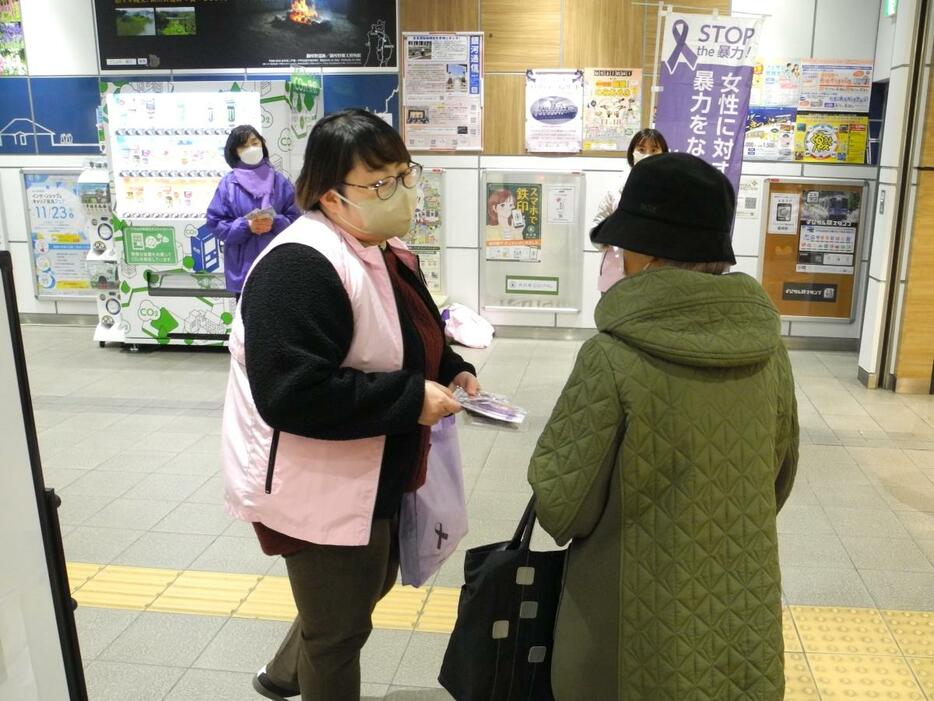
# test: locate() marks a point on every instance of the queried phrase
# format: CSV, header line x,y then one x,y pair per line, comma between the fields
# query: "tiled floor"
x,y
130,441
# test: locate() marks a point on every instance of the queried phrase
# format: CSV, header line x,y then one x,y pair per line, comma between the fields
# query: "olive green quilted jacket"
x,y
668,454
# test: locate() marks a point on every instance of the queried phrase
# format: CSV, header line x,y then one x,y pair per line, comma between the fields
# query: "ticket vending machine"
x,y
39,655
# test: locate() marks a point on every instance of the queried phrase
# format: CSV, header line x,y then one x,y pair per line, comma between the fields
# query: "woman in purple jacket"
x,y
253,184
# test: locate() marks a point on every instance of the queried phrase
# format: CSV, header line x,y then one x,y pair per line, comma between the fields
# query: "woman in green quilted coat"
x,y
669,453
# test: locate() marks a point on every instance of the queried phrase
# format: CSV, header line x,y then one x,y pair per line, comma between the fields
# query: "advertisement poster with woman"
x,y
514,222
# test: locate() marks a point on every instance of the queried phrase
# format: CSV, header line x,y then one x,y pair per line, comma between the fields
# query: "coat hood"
x,y
693,319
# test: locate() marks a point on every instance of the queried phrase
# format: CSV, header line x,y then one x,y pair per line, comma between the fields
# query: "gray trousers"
x,y
336,589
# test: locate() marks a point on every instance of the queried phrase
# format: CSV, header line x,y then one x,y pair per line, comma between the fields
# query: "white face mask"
x,y
384,218
252,155
640,155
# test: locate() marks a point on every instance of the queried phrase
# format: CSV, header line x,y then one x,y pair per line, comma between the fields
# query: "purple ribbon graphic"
x,y
682,52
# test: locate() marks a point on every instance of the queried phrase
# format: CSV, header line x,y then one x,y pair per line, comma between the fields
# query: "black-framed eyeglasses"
x,y
387,187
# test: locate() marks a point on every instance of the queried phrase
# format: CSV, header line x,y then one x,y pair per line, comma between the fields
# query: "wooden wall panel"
x,y
916,343
916,331
927,143
439,15
504,115
546,34
601,33
521,36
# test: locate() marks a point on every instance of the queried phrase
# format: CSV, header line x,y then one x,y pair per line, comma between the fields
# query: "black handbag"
x,y
501,646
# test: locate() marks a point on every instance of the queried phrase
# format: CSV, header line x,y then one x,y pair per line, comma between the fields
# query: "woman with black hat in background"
x,y
668,455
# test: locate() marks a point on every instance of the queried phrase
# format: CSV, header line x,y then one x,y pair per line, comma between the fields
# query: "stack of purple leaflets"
x,y
492,407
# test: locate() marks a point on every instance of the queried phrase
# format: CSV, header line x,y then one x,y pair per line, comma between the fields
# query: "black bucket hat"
x,y
674,206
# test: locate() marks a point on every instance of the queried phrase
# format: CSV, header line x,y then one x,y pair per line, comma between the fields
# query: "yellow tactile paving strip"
x,y
240,595
830,653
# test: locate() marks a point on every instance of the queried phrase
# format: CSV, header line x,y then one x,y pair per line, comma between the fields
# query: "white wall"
x,y
893,55
884,44
60,37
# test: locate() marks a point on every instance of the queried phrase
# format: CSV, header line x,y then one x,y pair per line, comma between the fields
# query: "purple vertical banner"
x,y
704,79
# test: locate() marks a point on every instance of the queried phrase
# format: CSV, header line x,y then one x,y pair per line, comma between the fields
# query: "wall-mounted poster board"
x,y
442,86
426,237
246,34
811,237
530,227
57,237
554,111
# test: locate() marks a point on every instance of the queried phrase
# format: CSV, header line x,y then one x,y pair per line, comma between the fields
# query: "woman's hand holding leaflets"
x,y
261,225
467,381
438,403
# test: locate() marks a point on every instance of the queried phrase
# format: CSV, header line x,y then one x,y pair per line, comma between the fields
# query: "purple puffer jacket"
x,y
225,217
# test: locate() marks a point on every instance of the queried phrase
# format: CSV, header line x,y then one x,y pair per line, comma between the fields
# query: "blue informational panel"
x,y
68,130
17,130
57,234
376,92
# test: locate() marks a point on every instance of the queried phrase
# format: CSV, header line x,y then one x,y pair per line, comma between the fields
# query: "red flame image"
x,y
303,13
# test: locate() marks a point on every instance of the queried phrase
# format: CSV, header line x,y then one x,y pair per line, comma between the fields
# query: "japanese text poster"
x,y
514,222
776,84
612,108
553,111
829,222
306,105
770,134
831,138
443,92
784,209
562,204
810,251
835,86
425,236
150,245
748,199
56,229
705,76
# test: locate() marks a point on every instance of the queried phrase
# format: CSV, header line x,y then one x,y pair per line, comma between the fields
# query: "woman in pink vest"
x,y
645,143
339,367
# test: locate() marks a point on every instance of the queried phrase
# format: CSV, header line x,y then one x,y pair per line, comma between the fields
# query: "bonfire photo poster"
x,y
208,34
